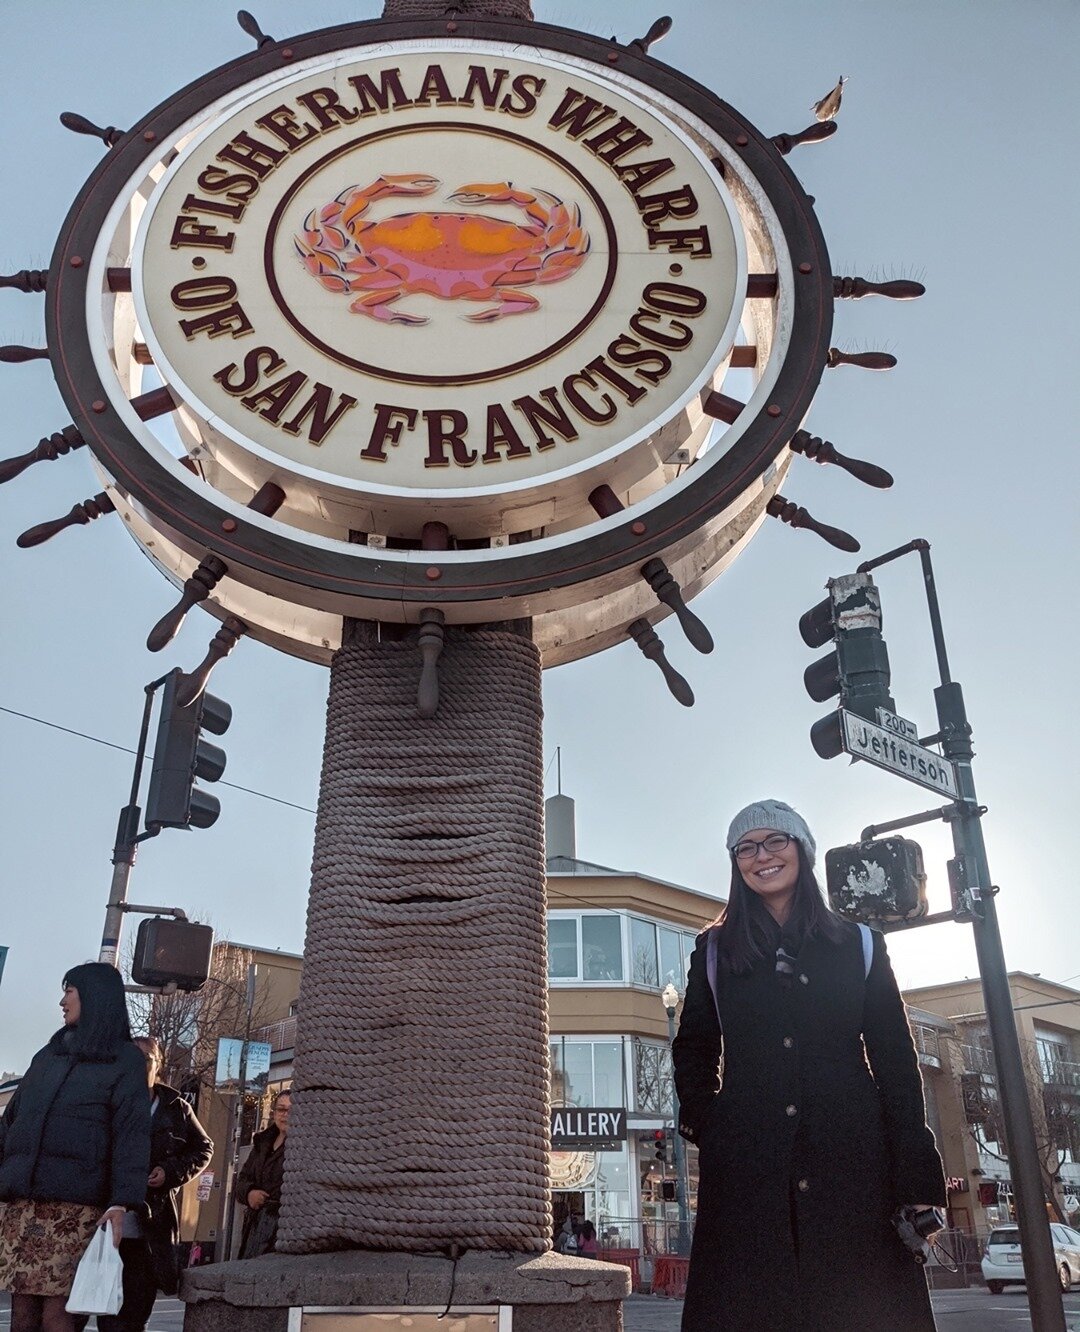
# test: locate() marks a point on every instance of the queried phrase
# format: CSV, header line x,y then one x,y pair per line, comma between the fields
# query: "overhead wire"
x,y
124,749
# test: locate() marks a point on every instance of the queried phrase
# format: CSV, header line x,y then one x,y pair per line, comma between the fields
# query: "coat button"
x,y
804,1185
792,1110
788,1042
804,979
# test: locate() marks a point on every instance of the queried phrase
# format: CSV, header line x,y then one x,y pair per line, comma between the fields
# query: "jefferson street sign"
x,y
865,740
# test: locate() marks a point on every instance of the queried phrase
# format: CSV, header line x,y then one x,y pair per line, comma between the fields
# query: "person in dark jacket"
x,y
258,1186
798,1080
179,1149
74,1149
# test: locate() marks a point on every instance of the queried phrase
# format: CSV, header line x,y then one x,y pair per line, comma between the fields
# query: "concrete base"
x,y
549,1292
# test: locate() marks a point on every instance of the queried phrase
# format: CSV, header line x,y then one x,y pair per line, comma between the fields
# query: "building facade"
x,y
964,1087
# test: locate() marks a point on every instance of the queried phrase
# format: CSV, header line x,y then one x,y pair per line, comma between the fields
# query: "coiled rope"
x,y
422,1082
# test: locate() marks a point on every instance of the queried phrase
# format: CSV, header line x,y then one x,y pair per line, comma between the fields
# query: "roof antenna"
x,y
558,767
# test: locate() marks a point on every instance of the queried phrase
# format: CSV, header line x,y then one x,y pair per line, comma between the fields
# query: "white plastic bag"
x,y
98,1287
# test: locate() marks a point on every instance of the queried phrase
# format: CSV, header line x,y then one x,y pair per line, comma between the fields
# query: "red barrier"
x,y
627,1258
669,1276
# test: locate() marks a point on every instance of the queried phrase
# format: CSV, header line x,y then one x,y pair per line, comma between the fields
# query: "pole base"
x,y
548,1292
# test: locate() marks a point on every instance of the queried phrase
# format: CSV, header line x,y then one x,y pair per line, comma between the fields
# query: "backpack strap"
x,y
712,954
867,949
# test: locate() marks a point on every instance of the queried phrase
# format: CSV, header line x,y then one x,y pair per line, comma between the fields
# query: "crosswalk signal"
x,y
181,756
857,669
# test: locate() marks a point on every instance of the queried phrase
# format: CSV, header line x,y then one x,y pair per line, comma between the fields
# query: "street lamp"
x,y
670,999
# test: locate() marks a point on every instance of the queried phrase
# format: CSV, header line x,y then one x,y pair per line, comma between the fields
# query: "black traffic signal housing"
x,y
857,669
172,952
182,755
660,1145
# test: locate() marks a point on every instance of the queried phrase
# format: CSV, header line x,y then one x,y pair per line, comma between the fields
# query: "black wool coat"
x,y
810,1137
180,1146
78,1131
263,1169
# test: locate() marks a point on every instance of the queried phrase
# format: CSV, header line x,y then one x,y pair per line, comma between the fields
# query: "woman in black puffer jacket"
x,y
74,1148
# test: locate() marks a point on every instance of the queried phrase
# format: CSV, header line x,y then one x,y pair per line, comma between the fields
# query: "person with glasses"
x,y
799,1083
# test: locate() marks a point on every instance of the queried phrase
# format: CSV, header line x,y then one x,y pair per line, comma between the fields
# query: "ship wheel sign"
x,y
429,323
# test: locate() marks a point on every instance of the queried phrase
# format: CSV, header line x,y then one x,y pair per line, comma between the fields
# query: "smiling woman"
x,y
798,1080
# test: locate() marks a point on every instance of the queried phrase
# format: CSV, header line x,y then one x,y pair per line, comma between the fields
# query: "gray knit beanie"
x,y
779,817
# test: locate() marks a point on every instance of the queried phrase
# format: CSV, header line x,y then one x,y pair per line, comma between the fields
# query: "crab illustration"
x,y
454,256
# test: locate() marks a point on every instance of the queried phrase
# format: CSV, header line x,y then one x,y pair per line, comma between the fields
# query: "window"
x,y
562,949
587,1073
585,947
643,951
601,948
671,966
578,1073
652,1078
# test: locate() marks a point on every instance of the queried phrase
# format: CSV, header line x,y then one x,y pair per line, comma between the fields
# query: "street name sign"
x,y
897,725
865,740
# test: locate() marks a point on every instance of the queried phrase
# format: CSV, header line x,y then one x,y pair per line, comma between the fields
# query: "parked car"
x,y
1002,1266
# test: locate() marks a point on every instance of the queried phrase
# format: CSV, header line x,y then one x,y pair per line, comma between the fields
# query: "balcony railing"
x,y
926,1043
278,1035
1061,1073
977,1059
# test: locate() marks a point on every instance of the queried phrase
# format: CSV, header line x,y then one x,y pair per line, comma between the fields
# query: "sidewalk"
x,y
646,1313
971,1310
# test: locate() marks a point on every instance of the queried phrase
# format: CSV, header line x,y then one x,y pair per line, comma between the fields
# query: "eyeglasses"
x,y
774,842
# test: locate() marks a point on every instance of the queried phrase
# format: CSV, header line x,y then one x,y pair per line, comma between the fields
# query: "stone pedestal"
x,y
549,1292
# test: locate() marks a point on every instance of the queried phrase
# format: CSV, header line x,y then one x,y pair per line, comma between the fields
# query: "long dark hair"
x,y
743,936
102,1029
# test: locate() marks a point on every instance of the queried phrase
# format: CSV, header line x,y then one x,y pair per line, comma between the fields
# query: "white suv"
x,y
1002,1266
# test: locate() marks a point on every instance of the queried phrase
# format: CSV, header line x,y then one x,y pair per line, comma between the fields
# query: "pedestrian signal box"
x,y
172,952
877,881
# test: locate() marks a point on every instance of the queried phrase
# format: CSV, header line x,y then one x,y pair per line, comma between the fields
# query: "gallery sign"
x,y
596,1129
436,271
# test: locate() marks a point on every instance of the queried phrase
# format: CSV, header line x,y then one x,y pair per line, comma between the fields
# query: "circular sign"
x,y
496,319
435,272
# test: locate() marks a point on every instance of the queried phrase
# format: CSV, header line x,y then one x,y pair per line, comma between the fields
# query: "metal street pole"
x,y
238,1116
1040,1271
127,840
1040,1265
682,1180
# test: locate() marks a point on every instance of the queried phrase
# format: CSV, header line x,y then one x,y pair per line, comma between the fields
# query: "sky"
x,y
948,166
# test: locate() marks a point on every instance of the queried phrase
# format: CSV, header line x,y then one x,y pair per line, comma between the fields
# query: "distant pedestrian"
x,y
566,1239
808,1113
258,1186
179,1149
74,1149
587,1246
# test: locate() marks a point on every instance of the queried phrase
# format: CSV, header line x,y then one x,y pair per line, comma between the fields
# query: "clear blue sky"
x,y
952,164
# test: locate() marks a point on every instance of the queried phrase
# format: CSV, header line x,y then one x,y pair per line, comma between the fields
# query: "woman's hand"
x,y
115,1218
157,1178
256,1198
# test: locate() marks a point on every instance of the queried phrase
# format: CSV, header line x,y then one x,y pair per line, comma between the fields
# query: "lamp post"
x,y
238,1115
670,999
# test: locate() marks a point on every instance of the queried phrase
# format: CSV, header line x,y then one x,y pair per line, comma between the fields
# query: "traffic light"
x,y
857,669
181,755
660,1145
172,952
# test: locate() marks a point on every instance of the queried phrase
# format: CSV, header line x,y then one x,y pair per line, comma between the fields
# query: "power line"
x,y
82,735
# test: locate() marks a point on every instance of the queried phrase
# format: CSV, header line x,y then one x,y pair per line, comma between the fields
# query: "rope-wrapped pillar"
x,y
422,1083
